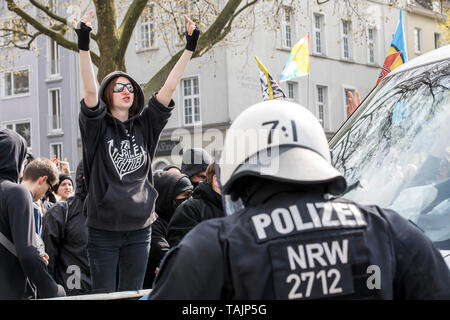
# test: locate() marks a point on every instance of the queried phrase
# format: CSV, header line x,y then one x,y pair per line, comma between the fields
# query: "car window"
x,y
396,153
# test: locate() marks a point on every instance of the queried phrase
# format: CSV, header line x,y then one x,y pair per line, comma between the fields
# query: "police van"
x,y
394,150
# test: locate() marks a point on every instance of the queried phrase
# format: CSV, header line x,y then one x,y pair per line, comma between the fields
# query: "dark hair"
x,y
210,172
41,167
108,96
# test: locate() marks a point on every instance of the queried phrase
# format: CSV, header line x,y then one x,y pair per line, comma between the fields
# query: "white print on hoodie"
x,y
126,160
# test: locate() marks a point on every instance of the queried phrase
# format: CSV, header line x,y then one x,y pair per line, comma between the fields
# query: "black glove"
x,y
191,41
83,32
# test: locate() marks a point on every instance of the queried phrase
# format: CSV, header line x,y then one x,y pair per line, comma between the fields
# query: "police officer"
x,y
292,240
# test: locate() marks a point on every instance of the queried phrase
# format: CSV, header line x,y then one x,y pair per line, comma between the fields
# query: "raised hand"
x,y
352,105
192,34
83,29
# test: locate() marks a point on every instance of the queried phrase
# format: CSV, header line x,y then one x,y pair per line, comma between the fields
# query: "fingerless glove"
x,y
191,41
83,32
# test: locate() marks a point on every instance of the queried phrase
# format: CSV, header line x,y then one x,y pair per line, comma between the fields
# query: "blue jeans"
x,y
125,252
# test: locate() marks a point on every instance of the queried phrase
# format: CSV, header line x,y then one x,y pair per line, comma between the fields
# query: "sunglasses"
x,y
118,87
49,185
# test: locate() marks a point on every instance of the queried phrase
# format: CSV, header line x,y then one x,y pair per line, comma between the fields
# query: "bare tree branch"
x,y
57,36
48,12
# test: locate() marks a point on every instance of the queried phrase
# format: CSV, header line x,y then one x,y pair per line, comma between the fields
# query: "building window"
x,y
53,58
291,91
56,150
321,104
318,34
437,40
371,37
146,37
286,25
191,101
16,83
23,128
418,40
55,109
346,40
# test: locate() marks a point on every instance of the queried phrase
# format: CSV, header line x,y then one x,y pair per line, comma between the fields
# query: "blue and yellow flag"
x,y
297,64
397,54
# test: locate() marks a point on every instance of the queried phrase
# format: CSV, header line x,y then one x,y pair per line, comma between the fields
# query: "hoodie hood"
x,y
165,183
206,192
139,94
13,151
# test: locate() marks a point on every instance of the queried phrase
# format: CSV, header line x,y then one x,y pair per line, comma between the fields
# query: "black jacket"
x,y
117,160
294,245
165,184
205,204
17,225
65,236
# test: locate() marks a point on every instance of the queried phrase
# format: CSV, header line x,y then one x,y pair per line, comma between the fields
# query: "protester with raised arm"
x,y
119,138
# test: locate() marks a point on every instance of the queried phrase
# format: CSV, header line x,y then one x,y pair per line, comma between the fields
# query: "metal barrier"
x,y
122,295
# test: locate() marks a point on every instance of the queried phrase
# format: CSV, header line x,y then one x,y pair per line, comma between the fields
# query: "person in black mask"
x,y
205,204
194,164
65,236
173,189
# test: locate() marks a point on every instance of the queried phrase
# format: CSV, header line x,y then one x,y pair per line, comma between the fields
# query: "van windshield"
x,y
396,153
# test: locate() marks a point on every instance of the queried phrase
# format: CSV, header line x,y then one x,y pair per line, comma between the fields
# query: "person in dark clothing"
x,y
194,163
120,136
171,167
291,240
206,203
173,189
65,236
20,260
64,188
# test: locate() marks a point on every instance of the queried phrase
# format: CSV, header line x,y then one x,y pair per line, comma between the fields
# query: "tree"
x,y
216,19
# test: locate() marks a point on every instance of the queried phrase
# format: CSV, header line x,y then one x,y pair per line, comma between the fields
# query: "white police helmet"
x,y
278,140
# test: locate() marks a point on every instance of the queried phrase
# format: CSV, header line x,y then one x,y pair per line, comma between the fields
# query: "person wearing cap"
x,y
194,163
206,203
292,239
64,188
173,189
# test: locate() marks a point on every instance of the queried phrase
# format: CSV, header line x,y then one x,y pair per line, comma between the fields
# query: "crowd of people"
x,y
125,227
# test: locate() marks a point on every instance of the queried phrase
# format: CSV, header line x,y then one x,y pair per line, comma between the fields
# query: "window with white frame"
x,y
291,91
191,101
437,40
321,104
346,39
418,41
56,149
21,127
53,58
346,91
318,34
16,83
146,38
286,27
55,109
371,41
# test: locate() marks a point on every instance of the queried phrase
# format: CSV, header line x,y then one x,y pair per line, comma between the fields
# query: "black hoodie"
x,y
17,225
117,161
205,204
166,183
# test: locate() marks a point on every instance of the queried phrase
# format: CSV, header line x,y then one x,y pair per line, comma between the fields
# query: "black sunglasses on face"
x,y
118,87
50,186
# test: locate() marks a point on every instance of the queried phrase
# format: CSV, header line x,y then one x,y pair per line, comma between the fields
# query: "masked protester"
x,y
119,140
292,240
65,236
173,189
205,204
194,163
